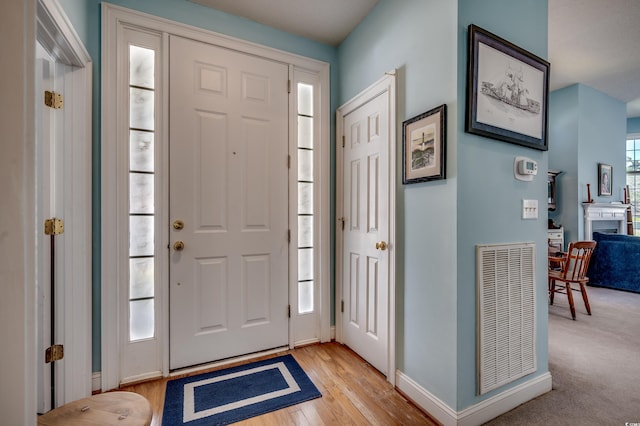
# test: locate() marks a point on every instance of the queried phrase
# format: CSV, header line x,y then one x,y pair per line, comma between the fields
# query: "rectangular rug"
x,y
237,393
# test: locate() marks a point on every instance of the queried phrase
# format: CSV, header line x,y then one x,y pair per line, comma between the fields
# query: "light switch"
x,y
529,209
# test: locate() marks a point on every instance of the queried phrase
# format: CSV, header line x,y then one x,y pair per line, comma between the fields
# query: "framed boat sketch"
x,y
424,146
507,91
604,179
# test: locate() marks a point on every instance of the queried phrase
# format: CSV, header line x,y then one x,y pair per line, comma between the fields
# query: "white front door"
x,y
228,154
365,245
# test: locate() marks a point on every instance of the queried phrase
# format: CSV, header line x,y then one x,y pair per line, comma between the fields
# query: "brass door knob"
x,y
178,246
178,225
381,245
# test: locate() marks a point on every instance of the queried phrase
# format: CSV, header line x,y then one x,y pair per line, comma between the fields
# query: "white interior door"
x,y
365,249
228,155
45,136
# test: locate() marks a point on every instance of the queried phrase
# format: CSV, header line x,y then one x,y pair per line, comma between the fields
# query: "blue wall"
x,y
418,38
563,156
489,198
586,127
633,125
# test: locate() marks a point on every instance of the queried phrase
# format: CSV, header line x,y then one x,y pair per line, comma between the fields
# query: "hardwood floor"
x,y
353,393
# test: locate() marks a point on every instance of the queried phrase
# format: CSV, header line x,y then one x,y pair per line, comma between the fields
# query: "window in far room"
x,y
633,179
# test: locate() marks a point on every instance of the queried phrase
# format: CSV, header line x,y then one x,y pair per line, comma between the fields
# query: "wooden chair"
x,y
571,269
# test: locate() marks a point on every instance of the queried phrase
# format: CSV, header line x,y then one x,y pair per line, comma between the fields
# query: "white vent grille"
x,y
506,313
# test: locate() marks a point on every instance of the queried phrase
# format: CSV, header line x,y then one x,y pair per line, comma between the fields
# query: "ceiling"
x,y
593,42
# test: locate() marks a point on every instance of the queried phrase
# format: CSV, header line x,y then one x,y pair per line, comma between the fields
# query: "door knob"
x,y
178,246
381,245
178,225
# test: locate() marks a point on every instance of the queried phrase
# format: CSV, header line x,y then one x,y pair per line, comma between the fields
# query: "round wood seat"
x,y
110,408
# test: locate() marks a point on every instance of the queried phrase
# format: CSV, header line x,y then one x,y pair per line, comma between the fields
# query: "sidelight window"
x,y
305,200
141,193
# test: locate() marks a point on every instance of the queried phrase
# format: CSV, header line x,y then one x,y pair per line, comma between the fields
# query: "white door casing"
x,y
114,217
229,185
366,225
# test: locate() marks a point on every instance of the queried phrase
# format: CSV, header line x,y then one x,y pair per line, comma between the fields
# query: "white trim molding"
x,y
479,413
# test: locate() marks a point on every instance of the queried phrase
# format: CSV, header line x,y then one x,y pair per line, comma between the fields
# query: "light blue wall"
x,y
563,156
587,127
418,37
85,17
633,125
602,139
489,198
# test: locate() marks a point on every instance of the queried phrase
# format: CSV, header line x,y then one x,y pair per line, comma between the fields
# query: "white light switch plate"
x,y
529,209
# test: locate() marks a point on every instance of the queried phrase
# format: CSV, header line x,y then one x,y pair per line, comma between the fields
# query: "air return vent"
x,y
506,313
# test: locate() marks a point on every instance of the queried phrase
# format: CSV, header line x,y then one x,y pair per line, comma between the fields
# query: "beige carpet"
x,y
594,362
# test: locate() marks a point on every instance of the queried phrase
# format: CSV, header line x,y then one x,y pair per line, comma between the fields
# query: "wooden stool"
x,y
110,408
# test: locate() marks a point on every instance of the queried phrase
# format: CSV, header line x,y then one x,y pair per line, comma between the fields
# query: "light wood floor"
x,y
353,393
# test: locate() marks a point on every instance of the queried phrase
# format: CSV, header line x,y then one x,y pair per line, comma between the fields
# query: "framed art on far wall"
x,y
507,91
424,146
604,179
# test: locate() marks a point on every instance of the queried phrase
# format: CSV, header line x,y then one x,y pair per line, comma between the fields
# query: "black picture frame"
x,y
424,145
605,179
507,91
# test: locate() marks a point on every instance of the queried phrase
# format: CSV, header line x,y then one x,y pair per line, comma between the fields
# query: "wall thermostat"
x,y
525,168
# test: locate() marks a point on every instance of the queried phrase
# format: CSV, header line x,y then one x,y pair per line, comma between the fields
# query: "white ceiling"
x,y
594,42
326,21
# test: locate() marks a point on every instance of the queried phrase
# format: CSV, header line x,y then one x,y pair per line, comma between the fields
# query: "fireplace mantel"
x,y
604,211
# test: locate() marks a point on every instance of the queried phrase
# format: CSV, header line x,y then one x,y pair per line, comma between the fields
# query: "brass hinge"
x,y
343,141
54,353
342,306
53,226
289,311
53,100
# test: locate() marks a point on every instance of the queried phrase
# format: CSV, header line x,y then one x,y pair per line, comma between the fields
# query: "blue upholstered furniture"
x,y
615,262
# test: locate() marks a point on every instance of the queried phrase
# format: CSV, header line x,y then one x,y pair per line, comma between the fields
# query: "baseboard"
x,y
333,333
425,400
476,414
96,382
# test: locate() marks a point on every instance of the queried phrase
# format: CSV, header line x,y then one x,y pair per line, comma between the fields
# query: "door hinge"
x,y
342,306
343,141
289,311
53,226
288,235
53,100
54,353
289,86
289,161
341,219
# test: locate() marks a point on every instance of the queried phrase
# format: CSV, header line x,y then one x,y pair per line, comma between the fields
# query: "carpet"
x,y
237,393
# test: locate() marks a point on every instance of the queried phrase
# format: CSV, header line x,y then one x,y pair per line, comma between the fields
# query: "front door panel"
x,y
228,185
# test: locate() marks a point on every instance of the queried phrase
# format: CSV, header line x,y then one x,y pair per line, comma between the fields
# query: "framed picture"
x,y
424,146
507,91
604,179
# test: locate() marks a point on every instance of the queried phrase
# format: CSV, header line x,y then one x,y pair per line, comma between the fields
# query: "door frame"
x,y
56,34
114,246
386,84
